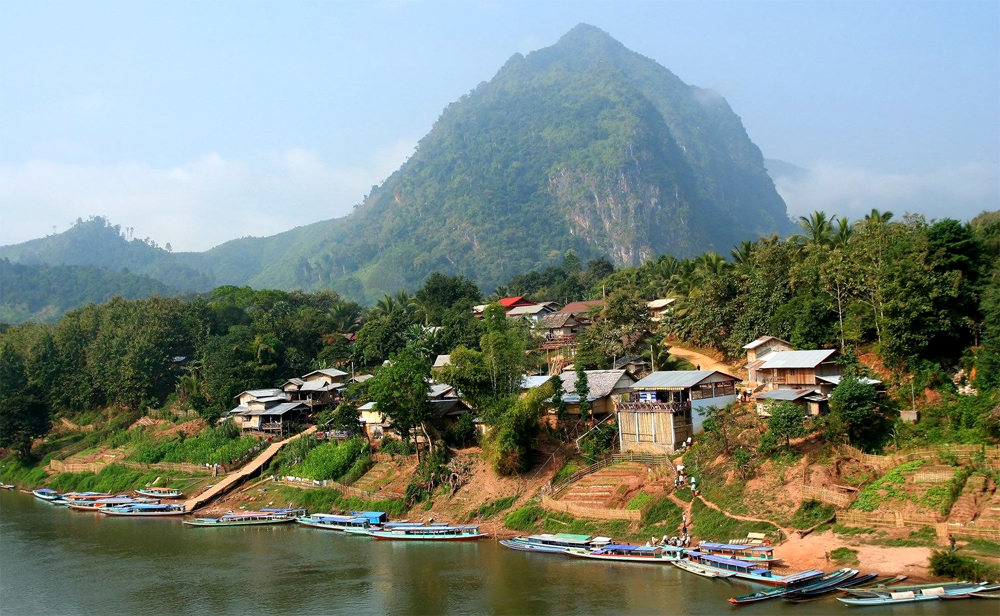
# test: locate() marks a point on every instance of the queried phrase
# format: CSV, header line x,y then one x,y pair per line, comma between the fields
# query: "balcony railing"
x,y
655,407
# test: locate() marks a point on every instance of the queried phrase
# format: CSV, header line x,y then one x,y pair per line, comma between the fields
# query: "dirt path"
x,y
744,518
698,359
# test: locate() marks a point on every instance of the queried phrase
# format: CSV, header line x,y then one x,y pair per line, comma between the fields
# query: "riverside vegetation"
x,y
907,301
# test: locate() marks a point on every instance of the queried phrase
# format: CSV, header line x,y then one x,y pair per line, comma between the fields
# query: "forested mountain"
x,y
99,243
583,145
44,293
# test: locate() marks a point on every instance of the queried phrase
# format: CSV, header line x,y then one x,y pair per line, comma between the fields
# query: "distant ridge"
x,y
583,145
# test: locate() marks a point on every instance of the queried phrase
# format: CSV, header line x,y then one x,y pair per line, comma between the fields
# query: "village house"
x,y
604,386
758,350
800,370
662,410
533,312
660,308
507,302
318,389
582,308
271,414
810,401
441,361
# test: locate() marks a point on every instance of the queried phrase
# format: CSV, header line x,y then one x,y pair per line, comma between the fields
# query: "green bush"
x,y
886,488
331,460
395,447
488,510
662,512
844,556
810,513
524,518
951,565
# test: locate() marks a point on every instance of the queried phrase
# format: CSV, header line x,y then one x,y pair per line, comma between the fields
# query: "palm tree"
x,y
346,317
842,234
710,263
384,306
817,229
878,217
741,254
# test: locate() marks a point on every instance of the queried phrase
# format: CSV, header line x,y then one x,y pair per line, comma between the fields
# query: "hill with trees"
x,y
583,146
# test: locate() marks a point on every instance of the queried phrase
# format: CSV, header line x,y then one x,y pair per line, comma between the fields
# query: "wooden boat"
x,y
874,591
145,509
160,492
691,567
555,544
986,593
340,523
6,486
967,593
429,533
795,583
744,570
897,597
805,595
622,553
245,518
96,504
751,553
46,494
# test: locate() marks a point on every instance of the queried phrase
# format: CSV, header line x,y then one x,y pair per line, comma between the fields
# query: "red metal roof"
x,y
514,302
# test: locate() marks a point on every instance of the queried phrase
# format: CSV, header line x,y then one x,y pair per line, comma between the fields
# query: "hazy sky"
x,y
198,122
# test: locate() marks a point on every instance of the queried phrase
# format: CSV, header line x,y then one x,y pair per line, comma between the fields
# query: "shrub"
x,y
463,433
951,565
886,488
331,461
488,510
811,513
524,518
395,447
844,556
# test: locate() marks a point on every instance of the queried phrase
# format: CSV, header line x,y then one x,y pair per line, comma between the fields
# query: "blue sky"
x,y
197,122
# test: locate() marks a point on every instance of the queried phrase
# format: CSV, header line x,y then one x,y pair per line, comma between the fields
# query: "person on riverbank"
x,y
951,542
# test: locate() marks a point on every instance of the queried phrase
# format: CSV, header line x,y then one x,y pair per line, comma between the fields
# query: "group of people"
x,y
681,480
678,542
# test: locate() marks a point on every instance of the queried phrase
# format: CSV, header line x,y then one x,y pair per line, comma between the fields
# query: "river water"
x,y
62,562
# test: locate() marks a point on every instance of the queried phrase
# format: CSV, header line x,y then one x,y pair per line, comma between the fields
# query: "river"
x,y
62,562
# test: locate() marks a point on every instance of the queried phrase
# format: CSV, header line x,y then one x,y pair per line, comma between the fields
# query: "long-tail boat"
x,y
243,518
145,509
751,553
341,523
160,492
46,494
798,582
745,570
429,533
555,544
614,552
691,567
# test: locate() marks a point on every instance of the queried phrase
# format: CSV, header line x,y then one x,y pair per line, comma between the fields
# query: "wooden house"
x,y
662,409
533,312
798,369
810,401
319,388
244,397
274,415
660,308
604,386
758,350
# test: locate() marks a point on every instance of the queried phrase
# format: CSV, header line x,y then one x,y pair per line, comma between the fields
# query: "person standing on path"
x,y
951,542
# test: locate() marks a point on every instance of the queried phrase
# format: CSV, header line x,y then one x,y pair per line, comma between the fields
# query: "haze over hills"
x,y
583,145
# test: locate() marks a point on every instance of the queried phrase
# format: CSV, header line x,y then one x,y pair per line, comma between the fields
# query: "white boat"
x,y
614,552
557,543
46,494
342,523
696,569
160,492
145,509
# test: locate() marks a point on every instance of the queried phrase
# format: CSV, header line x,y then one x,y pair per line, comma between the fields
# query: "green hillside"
x,y
583,145
43,293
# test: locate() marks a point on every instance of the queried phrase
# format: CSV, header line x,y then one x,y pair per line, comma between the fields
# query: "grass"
x,y
524,518
13,470
925,537
638,502
984,547
712,525
488,510
886,488
568,469
955,566
810,513
851,531
685,494
844,556
219,445
113,478
324,500
532,518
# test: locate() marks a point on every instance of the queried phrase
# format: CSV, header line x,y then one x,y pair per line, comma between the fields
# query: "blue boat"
x,y
623,553
747,570
429,533
558,543
145,510
341,523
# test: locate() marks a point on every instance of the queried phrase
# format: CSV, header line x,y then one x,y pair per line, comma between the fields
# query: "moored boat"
x,y
160,492
613,552
145,509
6,486
96,504
751,553
244,518
992,592
340,523
749,571
897,597
557,543
924,593
874,591
46,494
429,533
812,593
691,567
795,583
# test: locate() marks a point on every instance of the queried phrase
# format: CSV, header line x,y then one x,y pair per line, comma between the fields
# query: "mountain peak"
x,y
586,36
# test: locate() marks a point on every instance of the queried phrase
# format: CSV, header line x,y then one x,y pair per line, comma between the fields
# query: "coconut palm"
x,y
817,229
843,231
741,254
878,217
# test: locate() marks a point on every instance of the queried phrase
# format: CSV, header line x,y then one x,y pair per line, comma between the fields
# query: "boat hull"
x,y
139,514
216,524
699,570
403,537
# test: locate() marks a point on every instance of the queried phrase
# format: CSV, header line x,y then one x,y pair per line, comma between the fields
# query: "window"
x,y
725,389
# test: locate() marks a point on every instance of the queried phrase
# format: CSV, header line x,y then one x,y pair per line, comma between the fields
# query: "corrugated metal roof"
x,y
835,380
600,383
759,341
797,359
553,321
438,389
675,379
523,310
239,410
786,395
659,303
317,385
442,360
578,307
279,409
257,393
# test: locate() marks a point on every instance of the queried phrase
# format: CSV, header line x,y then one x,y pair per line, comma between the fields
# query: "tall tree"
x,y
399,391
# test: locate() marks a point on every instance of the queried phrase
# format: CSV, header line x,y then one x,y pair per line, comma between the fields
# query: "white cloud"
x,y
193,206
951,192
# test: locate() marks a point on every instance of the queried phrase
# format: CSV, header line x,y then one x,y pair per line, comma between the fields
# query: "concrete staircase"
x,y
599,489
